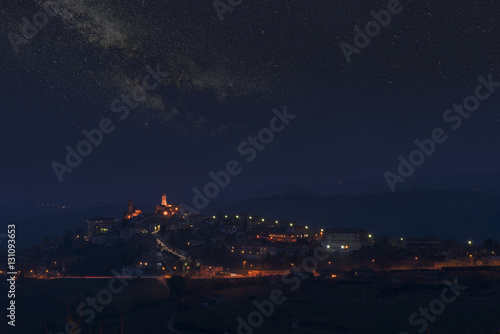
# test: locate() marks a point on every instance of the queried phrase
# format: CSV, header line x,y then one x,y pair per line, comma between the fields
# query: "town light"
x,y
369,235
401,239
237,217
307,227
250,217
213,217
263,219
291,224
225,216
470,242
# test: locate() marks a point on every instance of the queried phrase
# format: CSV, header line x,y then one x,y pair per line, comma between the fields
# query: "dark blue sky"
x,y
225,77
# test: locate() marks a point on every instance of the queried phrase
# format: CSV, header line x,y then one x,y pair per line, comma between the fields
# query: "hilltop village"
x,y
170,242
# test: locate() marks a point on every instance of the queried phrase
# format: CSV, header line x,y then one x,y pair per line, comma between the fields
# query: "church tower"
x,y
130,207
164,200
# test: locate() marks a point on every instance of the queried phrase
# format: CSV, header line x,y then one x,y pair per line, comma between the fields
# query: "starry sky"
x,y
224,79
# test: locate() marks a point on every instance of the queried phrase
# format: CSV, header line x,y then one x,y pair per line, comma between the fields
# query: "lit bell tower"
x,y
164,200
130,207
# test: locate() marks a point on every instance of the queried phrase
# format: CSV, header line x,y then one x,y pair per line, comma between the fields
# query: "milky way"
x,y
111,42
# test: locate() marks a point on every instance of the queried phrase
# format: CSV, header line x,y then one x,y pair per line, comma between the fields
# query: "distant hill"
x,y
488,183
417,208
457,214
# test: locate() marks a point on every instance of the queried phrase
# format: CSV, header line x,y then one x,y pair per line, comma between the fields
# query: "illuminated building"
x,y
166,209
131,211
346,240
100,225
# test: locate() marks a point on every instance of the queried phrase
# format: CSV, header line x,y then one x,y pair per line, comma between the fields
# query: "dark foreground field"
x,y
316,306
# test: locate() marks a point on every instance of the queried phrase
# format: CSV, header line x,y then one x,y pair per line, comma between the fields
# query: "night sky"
x,y
224,79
